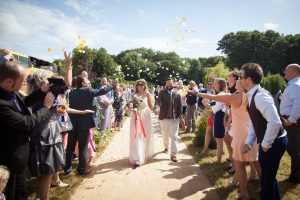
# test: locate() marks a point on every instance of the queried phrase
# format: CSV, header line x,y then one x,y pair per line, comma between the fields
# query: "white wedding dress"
x,y
141,145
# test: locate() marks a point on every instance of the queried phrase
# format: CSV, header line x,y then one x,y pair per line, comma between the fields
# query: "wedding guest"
x,y
105,103
265,129
209,126
218,110
17,123
191,100
46,146
232,78
118,105
240,128
290,112
81,98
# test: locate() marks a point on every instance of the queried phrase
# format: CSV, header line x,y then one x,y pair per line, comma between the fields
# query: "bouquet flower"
x,y
135,103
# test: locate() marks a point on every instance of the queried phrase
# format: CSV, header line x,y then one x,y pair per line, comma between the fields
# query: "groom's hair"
x,y
253,71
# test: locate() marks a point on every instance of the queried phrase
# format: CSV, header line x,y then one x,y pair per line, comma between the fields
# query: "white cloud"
x,y
141,13
271,26
73,4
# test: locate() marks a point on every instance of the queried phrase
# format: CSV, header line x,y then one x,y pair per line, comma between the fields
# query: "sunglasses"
x,y
140,84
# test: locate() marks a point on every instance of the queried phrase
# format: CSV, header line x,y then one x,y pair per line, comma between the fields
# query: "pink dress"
x,y
239,130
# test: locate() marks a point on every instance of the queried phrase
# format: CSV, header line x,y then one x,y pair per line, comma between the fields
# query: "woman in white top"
x,y
218,110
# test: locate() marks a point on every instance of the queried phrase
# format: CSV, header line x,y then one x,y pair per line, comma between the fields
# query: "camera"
x,y
58,87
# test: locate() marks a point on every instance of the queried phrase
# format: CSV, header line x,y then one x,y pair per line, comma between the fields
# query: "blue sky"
x,y
191,28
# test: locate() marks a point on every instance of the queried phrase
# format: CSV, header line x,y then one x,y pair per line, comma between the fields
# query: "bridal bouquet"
x,y
134,103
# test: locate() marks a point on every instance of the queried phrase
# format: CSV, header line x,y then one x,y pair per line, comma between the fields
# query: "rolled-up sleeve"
x,y
265,104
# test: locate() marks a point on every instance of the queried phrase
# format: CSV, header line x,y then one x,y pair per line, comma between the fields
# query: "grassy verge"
x,y
219,177
72,179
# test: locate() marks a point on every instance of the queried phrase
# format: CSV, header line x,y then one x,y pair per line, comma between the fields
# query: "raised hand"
x,y
68,58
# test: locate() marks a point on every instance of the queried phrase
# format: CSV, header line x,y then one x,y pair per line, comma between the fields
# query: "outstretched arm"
x,y
79,112
228,99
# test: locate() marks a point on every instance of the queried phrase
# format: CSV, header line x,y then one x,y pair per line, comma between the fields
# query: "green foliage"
x,y
100,138
273,83
220,70
96,136
153,66
61,66
201,123
270,49
211,61
195,71
83,61
104,64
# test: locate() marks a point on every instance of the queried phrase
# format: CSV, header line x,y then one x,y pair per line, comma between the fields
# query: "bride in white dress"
x,y
141,141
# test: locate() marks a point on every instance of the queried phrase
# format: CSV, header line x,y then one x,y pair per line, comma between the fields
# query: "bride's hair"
x,y
141,81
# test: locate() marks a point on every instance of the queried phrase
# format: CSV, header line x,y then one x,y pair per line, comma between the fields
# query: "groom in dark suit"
x,y
16,123
170,111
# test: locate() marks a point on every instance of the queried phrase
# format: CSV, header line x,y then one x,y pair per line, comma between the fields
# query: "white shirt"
x,y
265,104
290,101
218,106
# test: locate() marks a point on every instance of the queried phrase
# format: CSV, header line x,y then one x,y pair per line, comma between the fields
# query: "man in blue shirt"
x,y
290,112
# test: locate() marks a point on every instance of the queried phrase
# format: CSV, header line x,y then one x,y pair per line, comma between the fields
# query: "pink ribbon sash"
x,y
137,116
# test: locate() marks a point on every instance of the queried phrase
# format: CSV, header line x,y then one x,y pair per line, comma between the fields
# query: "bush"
x,y
273,83
96,136
201,124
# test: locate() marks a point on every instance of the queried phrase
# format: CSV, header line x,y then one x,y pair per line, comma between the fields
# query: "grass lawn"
x,y
219,177
72,179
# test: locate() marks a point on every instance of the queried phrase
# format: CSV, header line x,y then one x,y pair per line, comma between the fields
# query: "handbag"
x,y
65,125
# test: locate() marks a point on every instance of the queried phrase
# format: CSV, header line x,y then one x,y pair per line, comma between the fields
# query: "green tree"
x,y
61,66
195,71
220,70
273,83
211,61
104,64
83,60
270,49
